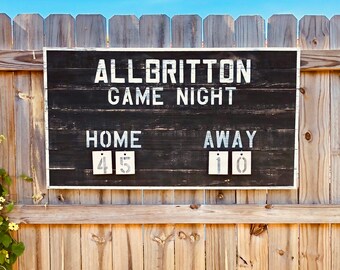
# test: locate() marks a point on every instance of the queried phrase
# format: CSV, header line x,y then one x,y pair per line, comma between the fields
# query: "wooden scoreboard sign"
x,y
171,118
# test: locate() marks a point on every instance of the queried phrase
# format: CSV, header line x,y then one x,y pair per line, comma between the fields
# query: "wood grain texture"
x,y
315,246
186,31
27,60
38,139
65,248
126,254
283,246
124,31
189,244
282,31
159,247
127,245
335,141
314,146
249,31
314,32
7,128
154,31
6,32
59,31
334,30
37,243
180,213
28,30
218,31
189,247
90,31
283,239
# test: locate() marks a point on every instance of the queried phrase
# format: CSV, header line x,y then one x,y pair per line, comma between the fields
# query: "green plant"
x,y
10,248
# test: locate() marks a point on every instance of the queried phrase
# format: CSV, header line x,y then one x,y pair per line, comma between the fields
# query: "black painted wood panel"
x,y
173,116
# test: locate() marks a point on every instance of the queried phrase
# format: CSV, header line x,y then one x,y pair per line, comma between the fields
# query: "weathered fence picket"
x,y
91,245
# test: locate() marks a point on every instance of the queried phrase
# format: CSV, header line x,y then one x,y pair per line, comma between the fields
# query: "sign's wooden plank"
x,y
177,214
315,143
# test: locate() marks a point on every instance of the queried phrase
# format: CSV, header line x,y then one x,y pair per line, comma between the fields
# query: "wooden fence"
x,y
174,229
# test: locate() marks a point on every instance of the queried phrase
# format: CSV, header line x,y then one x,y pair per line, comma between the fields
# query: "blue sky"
x,y
203,8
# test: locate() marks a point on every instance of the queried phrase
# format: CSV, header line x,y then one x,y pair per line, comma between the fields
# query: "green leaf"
x,y
12,259
8,180
6,240
2,258
9,207
2,172
18,248
26,178
4,191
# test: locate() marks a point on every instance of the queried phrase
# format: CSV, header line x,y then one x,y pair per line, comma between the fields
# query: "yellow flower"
x,y
13,226
2,199
5,252
2,138
1,207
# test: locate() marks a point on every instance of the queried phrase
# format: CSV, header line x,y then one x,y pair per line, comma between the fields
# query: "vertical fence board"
x,y
36,240
65,240
96,247
159,247
91,31
124,31
28,30
38,168
127,245
5,32
335,141
283,239
189,239
314,145
59,31
96,242
186,31
7,127
249,32
218,31
28,34
65,247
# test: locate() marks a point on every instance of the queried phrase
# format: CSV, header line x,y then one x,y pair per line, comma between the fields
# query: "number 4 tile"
x,y
102,162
